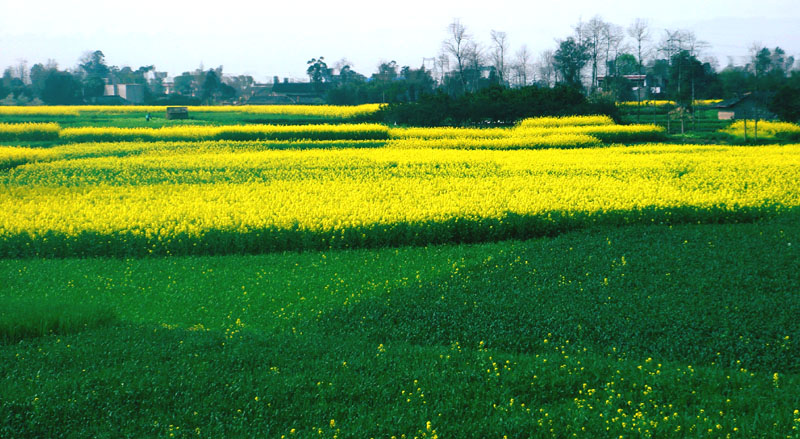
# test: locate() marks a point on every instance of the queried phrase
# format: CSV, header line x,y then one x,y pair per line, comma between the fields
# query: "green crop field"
x,y
238,278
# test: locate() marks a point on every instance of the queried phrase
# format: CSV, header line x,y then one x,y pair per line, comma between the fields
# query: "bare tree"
x,y
640,32
614,37
442,65
546,67
676,41
21,71
522,64
475,60
675,45
457,45
499,49
671,43
693,45
342,64
594,33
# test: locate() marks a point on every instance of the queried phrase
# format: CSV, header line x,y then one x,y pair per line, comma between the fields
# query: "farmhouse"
x,y
746,106
643,85
131,93
287,93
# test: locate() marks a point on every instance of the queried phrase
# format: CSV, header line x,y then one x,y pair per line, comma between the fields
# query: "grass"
x,y
158,119
675,331
670,330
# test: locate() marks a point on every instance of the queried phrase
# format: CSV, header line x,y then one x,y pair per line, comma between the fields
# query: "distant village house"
x,y
124,93
746,106
286,92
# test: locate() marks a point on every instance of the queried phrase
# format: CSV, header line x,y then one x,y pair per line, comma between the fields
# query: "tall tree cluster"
x,y
604,60
86,83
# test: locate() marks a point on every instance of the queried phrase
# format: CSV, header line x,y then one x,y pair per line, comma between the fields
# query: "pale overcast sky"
x,y
270,38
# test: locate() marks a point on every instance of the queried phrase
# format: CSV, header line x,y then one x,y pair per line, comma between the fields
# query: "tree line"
x,y
85,84
605,61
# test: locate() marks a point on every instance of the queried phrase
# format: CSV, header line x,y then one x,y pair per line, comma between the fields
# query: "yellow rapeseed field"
x,y
549,122
598,127
228,132
184,201
769,130
576,131
533,141
664,103
331,111
29,131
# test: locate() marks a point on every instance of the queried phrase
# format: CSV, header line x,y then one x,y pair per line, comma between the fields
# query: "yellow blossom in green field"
x,y
768,130
565,121
330,111
664,103
184,201
29,131
559,131
227,132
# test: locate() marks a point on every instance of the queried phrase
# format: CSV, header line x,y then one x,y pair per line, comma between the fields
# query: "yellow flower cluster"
x,y
550,122
14,156
647,103
766,130
227,132
330,111
706,102
450,133
532,133
518,142
29,131
54,110
204,201
597,127
11,156
664,103
606,133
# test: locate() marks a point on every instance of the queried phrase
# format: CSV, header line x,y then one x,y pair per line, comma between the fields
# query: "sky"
x,y
277,38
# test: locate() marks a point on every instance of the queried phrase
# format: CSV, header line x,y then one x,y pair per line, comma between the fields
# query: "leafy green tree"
x,y
210,86
15,88
625,64
318,71
734,81
38,75
786,102
495,104
387,71
685,72
184,84
61,88
226,92
93,87
94,64
570,58
94,68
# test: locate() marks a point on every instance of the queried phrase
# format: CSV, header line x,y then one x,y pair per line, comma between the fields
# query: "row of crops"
x,y
261,188
301,110
217,197
548,132
764,130
328,111
666,103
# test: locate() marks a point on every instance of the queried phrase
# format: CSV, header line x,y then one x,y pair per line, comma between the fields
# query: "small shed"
x,y
746,106
177,113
